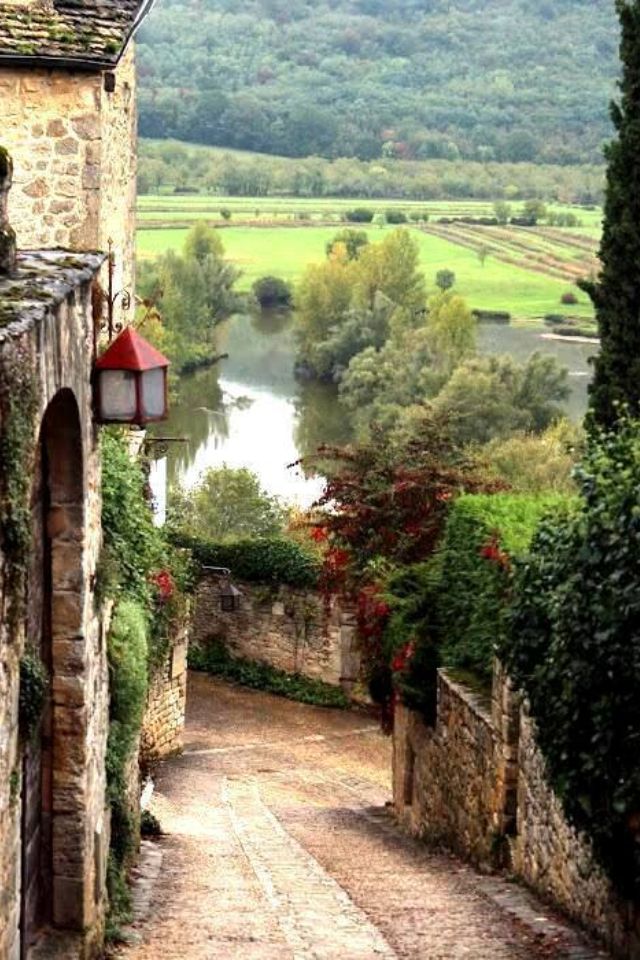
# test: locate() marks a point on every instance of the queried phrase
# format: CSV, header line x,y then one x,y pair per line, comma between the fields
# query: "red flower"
x,y
319,534
163,582
402,659
492,552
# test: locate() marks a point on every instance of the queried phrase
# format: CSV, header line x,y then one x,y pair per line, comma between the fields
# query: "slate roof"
x,y
87,34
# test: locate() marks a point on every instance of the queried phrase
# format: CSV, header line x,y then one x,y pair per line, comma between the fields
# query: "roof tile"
x,y
89,32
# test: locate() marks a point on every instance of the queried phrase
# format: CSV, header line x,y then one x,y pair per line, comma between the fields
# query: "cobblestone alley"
x,y
278,845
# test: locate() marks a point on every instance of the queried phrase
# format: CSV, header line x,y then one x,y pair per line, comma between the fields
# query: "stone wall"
x,y
446,778
163,724
73,146
476,783
46,334
291,629
553,859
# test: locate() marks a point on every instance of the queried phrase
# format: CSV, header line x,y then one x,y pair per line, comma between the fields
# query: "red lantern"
x,y
131,382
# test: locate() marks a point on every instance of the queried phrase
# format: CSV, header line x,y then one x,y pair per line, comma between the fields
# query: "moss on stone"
x,y
18,408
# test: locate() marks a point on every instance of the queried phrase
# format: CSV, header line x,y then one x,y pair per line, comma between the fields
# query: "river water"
x,y
250,411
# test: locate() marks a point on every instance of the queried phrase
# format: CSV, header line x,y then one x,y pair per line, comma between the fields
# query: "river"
x,y
250,411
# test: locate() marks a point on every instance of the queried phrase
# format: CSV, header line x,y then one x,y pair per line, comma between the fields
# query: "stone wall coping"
x,y
471,699
43,280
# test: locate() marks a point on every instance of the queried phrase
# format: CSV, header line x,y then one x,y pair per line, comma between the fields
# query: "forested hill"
x,y
484,79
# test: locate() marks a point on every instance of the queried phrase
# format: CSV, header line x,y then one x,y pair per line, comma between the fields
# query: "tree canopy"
x,y
505,80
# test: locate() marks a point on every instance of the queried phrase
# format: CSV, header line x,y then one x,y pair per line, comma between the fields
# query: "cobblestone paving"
x,y
278,845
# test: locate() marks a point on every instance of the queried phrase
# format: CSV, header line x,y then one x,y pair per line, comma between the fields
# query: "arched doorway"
x,y
54,620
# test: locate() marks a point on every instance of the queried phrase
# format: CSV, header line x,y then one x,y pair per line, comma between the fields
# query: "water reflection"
x,y
250,411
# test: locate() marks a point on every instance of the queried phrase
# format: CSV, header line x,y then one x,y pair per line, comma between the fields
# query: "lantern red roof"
x,y
130,351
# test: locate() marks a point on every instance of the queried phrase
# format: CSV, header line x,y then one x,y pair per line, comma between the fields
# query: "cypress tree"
x,y
616,293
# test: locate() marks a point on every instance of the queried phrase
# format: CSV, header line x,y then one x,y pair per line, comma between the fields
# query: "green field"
x,y
158,209
286,251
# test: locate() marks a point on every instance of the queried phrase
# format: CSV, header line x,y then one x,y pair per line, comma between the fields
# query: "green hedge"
x,y
483,534
266,560
574,646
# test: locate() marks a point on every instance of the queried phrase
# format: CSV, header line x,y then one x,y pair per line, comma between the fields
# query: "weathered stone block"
x,y
37,188
55,128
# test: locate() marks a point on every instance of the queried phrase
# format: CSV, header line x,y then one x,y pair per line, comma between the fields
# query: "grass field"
x,y
160,209
285,251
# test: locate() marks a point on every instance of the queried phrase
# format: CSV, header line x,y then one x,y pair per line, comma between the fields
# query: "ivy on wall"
x,y
146,578
18,409
574,646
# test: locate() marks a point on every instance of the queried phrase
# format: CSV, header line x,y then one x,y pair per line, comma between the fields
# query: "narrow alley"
x,y
278,844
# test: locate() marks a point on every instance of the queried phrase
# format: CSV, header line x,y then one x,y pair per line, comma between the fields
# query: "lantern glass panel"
x,y
117,395
153,393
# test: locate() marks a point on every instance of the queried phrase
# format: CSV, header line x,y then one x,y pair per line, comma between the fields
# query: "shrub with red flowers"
x,y
383,507
493,552
164,586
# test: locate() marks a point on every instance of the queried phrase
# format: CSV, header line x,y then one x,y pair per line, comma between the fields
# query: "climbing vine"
x,y
34,682
18,409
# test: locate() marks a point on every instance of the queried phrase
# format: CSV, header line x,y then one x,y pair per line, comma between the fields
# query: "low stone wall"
x,y
446,778
292,629
557,862
476,783
163,723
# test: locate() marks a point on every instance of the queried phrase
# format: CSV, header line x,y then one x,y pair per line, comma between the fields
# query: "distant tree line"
x,y
175,167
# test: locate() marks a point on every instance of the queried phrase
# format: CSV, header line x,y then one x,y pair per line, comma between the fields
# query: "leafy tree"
x,y
489,397
396,216
359,215
201,242
616,295
386,386
194,292
445,279
344,306
451,331
389,500
228,504
272,292
391,268
351,242
536,463
534,210
323,299
502,211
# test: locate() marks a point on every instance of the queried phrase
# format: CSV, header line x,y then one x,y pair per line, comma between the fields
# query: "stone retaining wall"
x,y
163,723
292,629
446,778
476,783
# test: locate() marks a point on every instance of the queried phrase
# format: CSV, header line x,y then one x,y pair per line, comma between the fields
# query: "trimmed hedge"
x,y
492,316
484,533
263,560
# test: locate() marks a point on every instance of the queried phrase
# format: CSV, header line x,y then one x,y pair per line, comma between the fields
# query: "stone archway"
x,y
53,832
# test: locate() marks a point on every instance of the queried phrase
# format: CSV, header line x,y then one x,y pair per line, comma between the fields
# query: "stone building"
x,y
67,114
68,117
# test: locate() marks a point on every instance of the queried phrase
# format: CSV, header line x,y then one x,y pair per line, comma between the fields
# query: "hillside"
x,y
509,80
